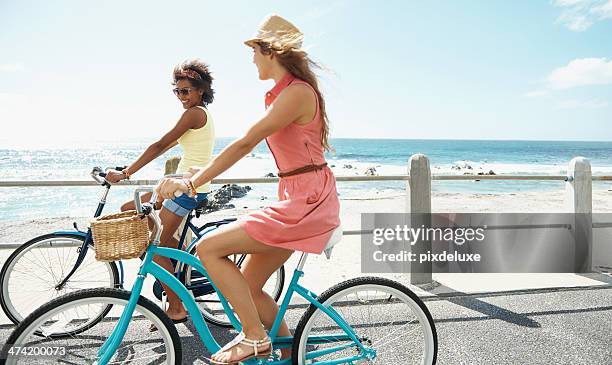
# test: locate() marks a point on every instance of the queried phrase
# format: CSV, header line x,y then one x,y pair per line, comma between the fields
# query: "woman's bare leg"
x,y
256,270
130,205
213,251
170,223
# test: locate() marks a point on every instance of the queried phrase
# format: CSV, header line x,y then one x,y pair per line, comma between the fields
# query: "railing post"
x,y
418,196
171,165
579,200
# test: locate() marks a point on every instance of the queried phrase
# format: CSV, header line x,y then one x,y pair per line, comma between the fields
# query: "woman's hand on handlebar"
x,y
113,176
168,186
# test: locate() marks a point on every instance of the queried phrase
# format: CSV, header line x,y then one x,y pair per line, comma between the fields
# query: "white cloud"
x,y
605,10
580,72
322,11
588,104
11,67
568,2
536,93
579,15
10,98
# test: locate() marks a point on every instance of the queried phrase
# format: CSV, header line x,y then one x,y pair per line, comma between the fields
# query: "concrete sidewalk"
x,y
480,318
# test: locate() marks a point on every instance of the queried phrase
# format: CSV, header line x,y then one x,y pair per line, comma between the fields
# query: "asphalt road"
x,y
567,326
558,325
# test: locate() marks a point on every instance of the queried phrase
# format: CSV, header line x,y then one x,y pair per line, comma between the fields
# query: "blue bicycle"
x,y
362,320
58,263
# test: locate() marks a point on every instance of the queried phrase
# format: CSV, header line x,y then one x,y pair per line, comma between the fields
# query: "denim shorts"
x,y
184,204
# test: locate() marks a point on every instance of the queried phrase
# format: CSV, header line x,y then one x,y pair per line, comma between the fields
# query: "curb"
x,y
9,245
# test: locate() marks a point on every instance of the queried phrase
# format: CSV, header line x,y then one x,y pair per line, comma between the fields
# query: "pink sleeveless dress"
x,y
308,209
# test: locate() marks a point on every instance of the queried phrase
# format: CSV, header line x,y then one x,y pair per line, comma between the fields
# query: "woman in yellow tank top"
x,y
195,132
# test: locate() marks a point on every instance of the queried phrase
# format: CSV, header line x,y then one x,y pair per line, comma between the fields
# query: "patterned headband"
x,y
190,74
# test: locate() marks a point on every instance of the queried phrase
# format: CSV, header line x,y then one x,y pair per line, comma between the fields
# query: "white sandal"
x,y
242,340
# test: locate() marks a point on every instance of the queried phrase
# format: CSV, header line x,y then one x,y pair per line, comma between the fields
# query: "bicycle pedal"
x,y
164,301
158,290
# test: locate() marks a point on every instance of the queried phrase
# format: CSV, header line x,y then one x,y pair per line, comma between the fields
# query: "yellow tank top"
x,y
197,147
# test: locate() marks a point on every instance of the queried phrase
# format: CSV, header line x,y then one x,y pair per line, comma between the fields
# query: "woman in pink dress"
x,y
295,128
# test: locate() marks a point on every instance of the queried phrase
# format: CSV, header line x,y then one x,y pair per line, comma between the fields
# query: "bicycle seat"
x,y
200,209
335,238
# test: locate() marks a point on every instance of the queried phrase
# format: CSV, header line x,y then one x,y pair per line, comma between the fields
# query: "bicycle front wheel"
x,y
64,314
30,276
388,319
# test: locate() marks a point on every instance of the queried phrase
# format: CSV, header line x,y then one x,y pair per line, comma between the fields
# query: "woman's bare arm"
x,y
287,108
191,118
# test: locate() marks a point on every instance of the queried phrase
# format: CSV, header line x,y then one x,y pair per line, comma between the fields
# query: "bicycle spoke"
x,y
35,272
32,275
63,316
379,345
383,319
39,264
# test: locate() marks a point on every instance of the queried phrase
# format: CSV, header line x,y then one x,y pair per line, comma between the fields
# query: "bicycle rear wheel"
x,y
69,313
30,276
208,300
388,319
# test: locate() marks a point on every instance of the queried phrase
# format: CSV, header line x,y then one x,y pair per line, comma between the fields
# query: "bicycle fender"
x,y
70,233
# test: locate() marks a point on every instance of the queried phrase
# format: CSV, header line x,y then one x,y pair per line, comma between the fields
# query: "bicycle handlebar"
x,y
148,210
98,175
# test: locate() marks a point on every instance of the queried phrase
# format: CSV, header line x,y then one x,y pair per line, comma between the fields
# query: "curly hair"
x,y
184,71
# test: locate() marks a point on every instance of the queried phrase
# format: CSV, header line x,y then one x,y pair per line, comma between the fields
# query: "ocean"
x,y
352,157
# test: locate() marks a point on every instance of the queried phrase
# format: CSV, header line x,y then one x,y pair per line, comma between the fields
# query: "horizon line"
x,y
462,139
10,142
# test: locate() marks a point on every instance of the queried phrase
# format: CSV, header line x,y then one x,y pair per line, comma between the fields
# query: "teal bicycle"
x,y
48,266
362,320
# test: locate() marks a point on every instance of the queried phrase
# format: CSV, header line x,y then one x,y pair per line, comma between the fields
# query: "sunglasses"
x,y
182,91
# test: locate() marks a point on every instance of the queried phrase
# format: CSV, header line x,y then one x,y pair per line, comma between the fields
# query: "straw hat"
x,y
277,31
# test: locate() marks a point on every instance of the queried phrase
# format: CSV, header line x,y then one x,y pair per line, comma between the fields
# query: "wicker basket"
x,y
120,236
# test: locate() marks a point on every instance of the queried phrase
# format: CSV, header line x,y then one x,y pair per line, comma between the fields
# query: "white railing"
x,y
578,195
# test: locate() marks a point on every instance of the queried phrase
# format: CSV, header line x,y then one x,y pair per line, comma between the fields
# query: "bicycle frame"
x,y
197,231
149,267
89,240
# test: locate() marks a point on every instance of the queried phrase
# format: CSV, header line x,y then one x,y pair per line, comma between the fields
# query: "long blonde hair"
x,y
297,63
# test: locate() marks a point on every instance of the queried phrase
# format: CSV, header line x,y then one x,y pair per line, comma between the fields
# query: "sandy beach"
x,y
348,263
519,202
347,259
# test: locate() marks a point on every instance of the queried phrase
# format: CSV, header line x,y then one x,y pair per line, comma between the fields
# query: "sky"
x,y
72,72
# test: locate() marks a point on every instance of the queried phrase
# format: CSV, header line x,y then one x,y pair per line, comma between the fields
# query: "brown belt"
x,y
302,170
